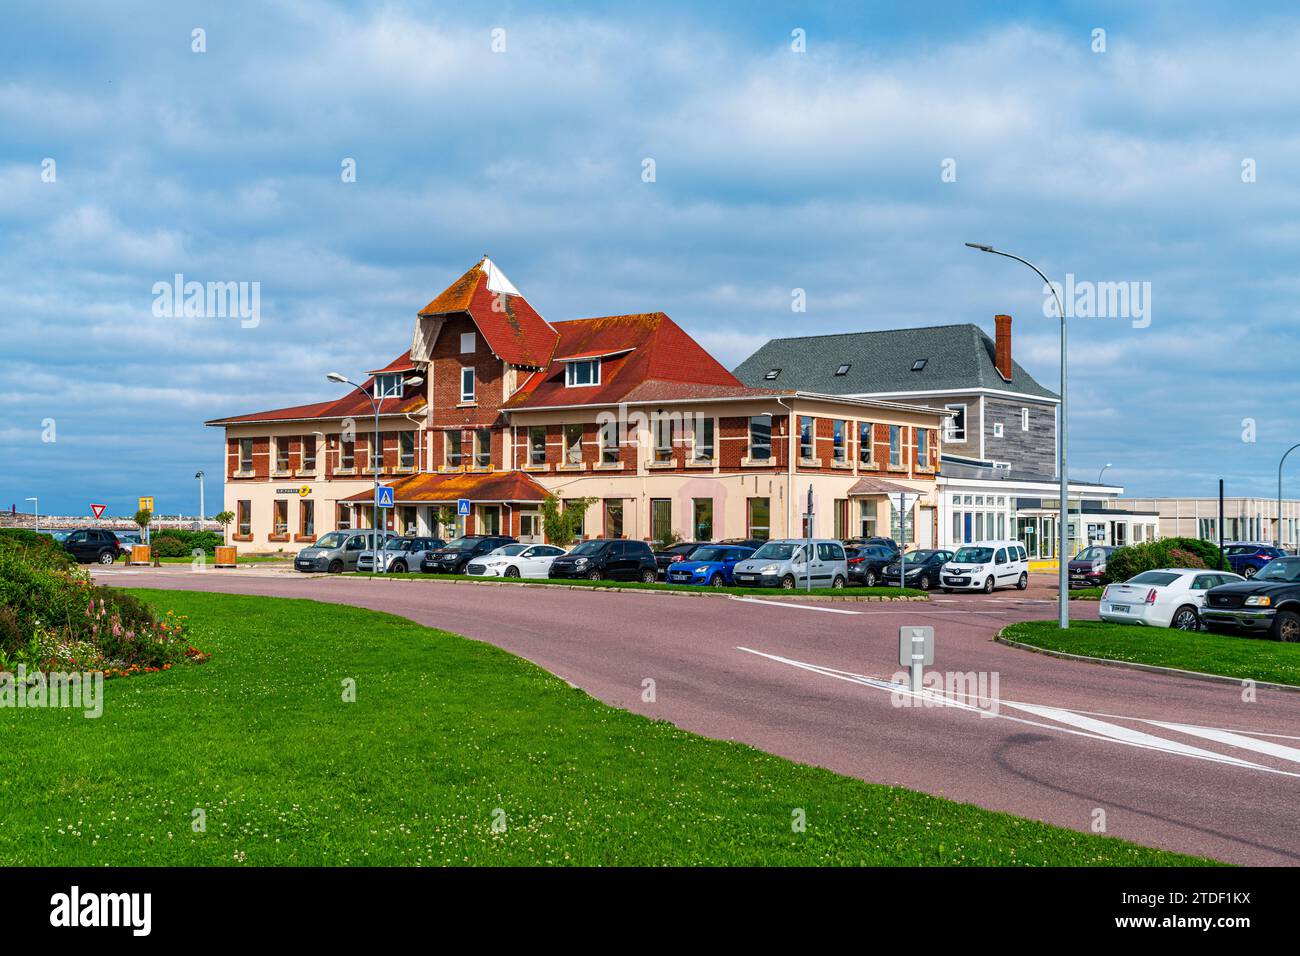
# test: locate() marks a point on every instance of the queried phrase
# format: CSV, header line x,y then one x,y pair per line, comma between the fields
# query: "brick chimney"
x,y
1003,342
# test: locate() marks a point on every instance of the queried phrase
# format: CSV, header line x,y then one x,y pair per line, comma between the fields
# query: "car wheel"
x,y
336,567
107,557
399,567
838,583
924,582
649,577
1250,572
593,575
988,584
716,581
1286,627
869,579
787,583
512,572
1186,619
1024,581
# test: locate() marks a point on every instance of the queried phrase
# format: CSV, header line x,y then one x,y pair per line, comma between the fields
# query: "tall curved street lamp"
x,y
375,450
1063,583
1278,539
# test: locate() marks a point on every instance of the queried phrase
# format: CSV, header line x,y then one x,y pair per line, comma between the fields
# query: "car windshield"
x,y
511,549
461,543
332,540
974,555
1280,569
775,550
397,544
590,547
919,556
1091,554
1156,578
707,554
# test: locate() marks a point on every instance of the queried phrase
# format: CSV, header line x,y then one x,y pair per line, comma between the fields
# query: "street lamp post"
x,y
1278,542
202,507
1063,598
36,507
375,462
1102,472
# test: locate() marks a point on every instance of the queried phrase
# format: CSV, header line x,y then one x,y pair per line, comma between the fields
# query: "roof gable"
x,y
512,328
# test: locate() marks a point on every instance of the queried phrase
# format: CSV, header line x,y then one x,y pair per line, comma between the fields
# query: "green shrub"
x,y
180,543
1164,553
38,549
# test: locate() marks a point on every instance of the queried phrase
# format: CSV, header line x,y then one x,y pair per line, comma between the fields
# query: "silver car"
x,y
400,554
338,551
783,564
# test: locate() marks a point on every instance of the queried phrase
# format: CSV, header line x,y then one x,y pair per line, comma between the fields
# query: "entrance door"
x,y
530,526
489,519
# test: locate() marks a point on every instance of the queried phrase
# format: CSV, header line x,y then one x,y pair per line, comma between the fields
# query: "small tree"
x,y
142,519
561,524
444,517
224,518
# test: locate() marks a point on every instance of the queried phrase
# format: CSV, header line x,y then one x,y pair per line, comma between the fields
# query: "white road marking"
x,y
801,607
1280,751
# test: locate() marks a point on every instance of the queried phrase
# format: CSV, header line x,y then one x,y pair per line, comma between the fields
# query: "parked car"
x,y
337,551
1269,603
889,543
128,538
459,552
516,561
986,565
400,554
782,563
712,564
922,568
1248,559
752,543
867,563
88,545
1087,568
604,559
1165,597
675,553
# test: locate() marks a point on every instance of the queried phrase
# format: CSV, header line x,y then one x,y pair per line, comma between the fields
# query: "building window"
x,y
536,444
455,448
955,429
865,442
997,429
838,442
573,444
923,447
483,447
280,524
246,455
347,453
530,525
841,518
704,439
867,518
308,452
702,518
467,384
580,528
281,454
758,518
306,518
1024,419
663,435
661,519
609,443
244,517
613,517
342,517
843,370
388,385
467,343
772,373
896,445
760,438
586,372
807,447
406,449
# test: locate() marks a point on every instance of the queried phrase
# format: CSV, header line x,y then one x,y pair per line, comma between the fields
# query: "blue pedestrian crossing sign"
x,y
385,496
462,506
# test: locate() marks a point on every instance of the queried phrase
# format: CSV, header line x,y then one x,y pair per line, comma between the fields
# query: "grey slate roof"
x,y
957,357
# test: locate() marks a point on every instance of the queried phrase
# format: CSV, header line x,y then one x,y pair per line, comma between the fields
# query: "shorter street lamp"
x,y
36,507
1278,538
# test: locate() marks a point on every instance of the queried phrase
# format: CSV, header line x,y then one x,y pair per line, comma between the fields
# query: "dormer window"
x,y
919,365
772,374
843,370
582,372
388,385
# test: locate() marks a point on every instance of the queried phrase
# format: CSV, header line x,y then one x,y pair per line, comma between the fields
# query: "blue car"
x,y
710,564
1247,559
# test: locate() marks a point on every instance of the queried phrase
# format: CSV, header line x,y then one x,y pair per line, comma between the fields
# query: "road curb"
x,y
1149,668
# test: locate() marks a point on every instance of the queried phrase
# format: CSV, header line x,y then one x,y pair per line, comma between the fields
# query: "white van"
x,y
986,565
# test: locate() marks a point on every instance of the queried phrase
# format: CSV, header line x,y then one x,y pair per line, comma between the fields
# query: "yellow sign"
x,y
146,504
304,491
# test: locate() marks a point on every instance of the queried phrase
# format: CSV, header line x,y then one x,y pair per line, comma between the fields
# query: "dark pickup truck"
x,y
1268,604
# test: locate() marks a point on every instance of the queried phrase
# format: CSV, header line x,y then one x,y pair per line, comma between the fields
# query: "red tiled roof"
x,y
490,486
351,405
514,331
651,346
878,486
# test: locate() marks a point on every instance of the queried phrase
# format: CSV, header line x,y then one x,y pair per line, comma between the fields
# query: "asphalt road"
x,y
1166,761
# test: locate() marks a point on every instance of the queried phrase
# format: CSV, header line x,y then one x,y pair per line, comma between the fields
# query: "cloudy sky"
x,y
775,170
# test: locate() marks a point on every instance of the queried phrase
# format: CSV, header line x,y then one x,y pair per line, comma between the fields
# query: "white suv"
x,y
986,565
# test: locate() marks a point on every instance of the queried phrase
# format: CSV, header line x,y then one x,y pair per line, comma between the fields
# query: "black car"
x,y
752,543
889,543
676,552
1269,603
603,559
867,563
922,568
452,558
93,544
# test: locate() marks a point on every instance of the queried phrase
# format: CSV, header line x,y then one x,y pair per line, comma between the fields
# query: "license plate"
x,y
1120,608
744,577
1076,577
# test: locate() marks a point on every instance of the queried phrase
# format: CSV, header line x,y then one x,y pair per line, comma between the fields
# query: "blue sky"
x,y
775,170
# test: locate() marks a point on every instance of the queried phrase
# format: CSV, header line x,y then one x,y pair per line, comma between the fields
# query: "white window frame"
x,y
950,427
1024,419
389,385
467,396
571,373
998,430
468,343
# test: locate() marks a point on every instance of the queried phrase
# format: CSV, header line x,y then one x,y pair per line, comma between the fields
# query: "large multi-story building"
x,y
496,406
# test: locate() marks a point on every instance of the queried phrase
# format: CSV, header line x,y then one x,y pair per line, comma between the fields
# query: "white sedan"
x,y
516,561
1167,597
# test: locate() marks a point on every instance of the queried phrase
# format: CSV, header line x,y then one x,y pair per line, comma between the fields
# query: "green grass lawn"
x,y
445,735
662,586
1231,656
1086,594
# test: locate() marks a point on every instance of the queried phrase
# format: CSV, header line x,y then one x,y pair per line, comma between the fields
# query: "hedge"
x,y
1163,553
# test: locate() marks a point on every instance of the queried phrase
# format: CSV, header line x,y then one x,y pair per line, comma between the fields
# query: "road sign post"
x,y
902,538
915,650
808,551
462,511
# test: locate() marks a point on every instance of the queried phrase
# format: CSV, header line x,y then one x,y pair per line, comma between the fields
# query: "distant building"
x,y
1244,519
